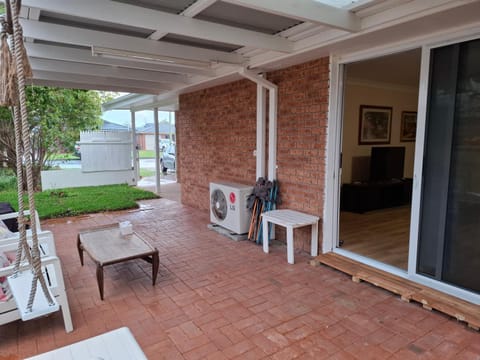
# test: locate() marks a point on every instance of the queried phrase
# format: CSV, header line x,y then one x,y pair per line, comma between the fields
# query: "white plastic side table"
x,y
290,219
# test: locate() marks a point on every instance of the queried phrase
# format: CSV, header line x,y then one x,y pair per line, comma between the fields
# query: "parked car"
x,y
164,143
168,158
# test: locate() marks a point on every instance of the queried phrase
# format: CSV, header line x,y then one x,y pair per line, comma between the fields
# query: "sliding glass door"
x,y
449,234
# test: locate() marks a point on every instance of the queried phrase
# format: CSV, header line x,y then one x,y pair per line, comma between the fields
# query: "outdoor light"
x,y
146,57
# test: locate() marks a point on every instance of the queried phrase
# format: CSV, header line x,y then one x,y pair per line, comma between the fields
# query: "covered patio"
x,y
214,62
220,299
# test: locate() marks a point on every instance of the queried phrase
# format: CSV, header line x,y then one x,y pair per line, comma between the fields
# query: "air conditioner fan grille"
x,y
218,203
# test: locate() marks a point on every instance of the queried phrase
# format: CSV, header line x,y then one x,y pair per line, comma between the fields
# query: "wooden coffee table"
x,y
106,246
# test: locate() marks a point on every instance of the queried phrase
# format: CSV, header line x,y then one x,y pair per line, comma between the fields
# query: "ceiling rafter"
x,y
152,87
73,35
63,53
196,8
130,15
106,71
306,10
93,86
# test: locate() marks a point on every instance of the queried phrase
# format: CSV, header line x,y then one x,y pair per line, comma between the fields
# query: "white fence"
x,y
60,179
106,159
106,150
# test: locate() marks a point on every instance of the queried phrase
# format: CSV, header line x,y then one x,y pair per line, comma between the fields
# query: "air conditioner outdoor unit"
x,y
228,206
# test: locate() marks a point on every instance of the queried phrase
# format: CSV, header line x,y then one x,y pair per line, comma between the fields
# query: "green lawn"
x,y
64,157
146,172
146,154
84,200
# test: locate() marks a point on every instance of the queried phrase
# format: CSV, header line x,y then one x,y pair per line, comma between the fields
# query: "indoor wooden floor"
x,y
381,235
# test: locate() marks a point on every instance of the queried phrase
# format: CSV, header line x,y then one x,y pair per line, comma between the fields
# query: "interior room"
x,y
378,151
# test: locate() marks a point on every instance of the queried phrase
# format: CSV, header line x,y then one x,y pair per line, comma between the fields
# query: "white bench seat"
x,y
50,265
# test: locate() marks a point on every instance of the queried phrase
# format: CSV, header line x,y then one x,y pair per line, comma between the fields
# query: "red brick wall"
x,y
216,131
217,137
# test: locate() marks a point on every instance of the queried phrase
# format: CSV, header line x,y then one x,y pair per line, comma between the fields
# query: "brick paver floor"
x,y
220,299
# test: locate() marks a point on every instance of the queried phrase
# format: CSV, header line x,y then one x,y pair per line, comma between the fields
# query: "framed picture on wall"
x,y
408,127
375,125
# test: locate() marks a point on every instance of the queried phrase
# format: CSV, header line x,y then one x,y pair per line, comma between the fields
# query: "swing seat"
x,y
20,286
14,216
12,309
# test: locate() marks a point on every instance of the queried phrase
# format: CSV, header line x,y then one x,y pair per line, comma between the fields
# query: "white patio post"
x,y
136,163
170,132
157,152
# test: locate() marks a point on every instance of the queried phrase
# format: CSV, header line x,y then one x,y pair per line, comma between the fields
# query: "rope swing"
x,y
14,69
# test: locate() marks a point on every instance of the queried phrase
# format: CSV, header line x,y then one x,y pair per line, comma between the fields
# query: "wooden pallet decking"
x,y
407,290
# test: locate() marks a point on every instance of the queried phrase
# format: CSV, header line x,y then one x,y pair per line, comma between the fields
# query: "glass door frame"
x,y
334,146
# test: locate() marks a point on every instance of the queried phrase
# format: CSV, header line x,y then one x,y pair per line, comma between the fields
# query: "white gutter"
x,y
262,85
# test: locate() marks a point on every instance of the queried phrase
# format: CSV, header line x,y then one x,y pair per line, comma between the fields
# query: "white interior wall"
x,y
363,93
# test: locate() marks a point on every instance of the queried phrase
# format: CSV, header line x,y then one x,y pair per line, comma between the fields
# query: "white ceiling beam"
x,y
106,71
32,14
136,102
77,36
306,10
124,102
83,86
197,7
193,10
98,80
130,15
164,102
63,53
409,11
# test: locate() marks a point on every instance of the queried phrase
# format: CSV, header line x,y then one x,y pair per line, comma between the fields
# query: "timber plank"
x,y
409,291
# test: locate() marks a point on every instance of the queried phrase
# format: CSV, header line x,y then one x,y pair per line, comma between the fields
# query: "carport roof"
x,y
161,48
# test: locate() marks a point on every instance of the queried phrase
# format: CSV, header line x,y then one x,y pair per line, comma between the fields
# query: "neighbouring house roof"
x,y
107,125
163,128
163,48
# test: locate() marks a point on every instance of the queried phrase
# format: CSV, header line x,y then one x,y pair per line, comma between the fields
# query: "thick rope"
x,y
22,246
19,63
8,87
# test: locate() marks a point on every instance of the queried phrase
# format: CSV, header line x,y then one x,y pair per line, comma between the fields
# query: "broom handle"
x,y
250,229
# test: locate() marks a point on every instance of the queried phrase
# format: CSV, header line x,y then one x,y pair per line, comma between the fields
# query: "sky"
x,y
123,117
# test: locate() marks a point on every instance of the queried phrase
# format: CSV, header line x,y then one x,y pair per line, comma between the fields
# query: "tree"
x,y
56,117
106,96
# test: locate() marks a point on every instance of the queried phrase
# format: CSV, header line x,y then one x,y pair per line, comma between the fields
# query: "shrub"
x,y
8,180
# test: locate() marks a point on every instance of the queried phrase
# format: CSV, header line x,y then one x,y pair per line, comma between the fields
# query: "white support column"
x,y
170,132
261,130
272,134
158,170
136,163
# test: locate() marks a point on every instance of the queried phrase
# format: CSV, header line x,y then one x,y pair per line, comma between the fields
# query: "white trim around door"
x,y
334,145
